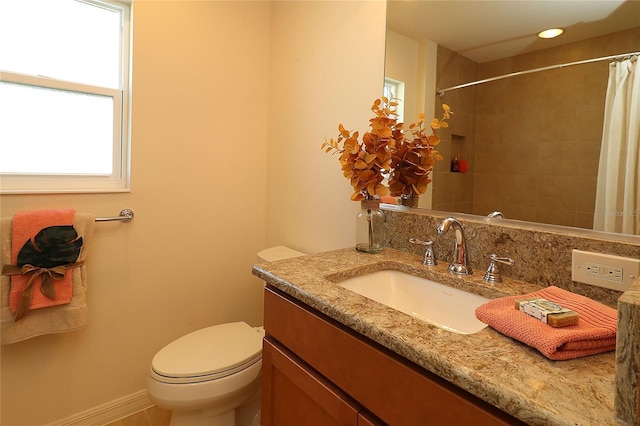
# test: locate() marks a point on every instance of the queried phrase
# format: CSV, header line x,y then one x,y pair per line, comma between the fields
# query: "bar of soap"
x,y
548,312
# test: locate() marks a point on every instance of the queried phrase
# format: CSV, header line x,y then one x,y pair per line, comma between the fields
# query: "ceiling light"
x,y
551,33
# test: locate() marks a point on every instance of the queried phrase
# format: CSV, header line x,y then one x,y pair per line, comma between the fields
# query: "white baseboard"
x,y
109,412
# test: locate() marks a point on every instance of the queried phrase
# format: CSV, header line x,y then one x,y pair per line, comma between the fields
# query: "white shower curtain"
x,y
618,187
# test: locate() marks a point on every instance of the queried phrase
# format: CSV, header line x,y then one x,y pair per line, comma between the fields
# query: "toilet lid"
x,y
209,353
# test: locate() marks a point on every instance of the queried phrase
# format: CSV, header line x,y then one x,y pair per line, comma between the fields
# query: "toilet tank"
x,y
277,253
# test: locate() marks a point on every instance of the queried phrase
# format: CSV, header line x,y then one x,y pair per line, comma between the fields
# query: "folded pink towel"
x,y
25,226
594,333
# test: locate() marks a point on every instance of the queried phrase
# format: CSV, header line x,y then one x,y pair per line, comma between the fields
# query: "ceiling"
x,y
485,30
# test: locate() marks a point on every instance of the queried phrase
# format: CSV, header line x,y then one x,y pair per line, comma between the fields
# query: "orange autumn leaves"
x,y
385,151
365,161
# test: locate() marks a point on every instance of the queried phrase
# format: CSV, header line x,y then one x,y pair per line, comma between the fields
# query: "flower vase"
x,y
410,200
370,227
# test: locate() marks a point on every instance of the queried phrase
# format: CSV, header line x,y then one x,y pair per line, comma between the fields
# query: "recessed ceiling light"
x,y
551,33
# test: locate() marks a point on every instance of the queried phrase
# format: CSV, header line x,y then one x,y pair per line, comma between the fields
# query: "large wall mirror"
x,y
532,142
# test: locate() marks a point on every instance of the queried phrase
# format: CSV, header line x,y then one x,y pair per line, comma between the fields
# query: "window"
x,y
64,96
394,89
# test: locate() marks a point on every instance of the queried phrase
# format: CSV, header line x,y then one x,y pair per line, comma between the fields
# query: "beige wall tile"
x,y
488,159
486,190
586,195
559,158
489,128
584,220
520,159
519,191
557,193
519,212
462,188
555,216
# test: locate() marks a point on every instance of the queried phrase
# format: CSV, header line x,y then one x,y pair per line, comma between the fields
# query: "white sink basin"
x,y
446,307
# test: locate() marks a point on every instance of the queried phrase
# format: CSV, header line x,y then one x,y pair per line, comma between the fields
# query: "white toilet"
x,y
212,376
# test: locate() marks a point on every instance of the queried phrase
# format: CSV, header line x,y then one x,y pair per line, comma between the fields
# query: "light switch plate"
x,y
604,270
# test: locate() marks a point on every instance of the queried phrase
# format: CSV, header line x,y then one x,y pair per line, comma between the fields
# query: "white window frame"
x,y
394,89
119,180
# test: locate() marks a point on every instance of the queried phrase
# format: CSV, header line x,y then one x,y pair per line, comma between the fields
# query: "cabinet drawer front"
x,y
294,395
393,389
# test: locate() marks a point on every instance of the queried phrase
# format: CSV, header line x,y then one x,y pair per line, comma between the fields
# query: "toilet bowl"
x,y
205,376
212,376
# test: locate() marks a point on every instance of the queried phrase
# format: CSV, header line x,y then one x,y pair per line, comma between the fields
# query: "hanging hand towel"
x,y
594,333
30,242
68,311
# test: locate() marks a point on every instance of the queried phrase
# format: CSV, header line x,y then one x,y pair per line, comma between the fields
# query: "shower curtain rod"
x,y
441,92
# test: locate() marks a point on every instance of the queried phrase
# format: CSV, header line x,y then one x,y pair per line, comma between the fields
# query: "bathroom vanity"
x,y
332,356
319,369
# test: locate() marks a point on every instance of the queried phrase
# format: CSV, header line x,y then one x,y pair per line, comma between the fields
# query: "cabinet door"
x,y
367,419
295,395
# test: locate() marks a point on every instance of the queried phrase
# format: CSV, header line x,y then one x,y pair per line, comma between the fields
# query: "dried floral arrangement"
x,y
385,151
365,162
414,158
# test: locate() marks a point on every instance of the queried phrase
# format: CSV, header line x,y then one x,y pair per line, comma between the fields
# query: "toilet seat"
x,y
208,354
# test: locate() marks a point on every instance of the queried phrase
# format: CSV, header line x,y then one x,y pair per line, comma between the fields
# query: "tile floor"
x,y
153,416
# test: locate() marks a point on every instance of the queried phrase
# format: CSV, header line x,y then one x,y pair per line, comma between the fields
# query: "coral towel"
x,y
25,226
594,333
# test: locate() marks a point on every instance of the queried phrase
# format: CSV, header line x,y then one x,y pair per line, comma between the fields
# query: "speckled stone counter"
x,y
628,355
502,371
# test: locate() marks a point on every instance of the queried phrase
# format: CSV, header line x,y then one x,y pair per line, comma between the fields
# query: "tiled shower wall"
x,y
533,142
454,191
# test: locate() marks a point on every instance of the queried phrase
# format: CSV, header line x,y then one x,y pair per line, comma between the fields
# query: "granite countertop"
x,y
502,371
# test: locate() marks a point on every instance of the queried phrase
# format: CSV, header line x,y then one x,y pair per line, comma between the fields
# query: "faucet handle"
x,y
493,271
496,213
429,255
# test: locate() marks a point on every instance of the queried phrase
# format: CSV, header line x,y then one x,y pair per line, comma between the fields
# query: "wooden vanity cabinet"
x,y
295,394
317,372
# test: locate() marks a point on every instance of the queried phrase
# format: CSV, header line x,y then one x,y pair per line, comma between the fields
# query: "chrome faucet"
x,y
460,263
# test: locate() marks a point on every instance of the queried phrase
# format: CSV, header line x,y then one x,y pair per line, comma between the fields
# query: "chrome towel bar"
x,y
126,215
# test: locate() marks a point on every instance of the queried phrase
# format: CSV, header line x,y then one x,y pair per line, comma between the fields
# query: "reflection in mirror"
x,y
531,142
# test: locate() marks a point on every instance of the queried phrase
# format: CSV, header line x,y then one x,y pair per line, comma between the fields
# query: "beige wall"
x,y
401,63
413,63
327,67
216,103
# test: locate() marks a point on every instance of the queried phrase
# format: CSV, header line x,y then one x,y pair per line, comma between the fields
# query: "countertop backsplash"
x,y
542,254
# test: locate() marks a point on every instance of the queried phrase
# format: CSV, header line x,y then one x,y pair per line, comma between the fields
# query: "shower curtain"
x,y
618,187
